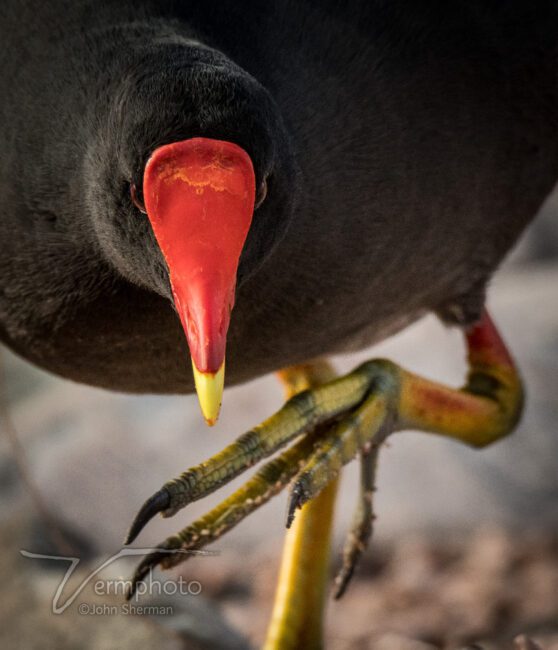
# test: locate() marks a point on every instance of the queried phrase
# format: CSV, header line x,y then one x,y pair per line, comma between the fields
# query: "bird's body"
x,y
424,137
346,167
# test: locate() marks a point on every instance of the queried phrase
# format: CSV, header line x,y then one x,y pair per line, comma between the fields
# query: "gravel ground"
x,y
485,588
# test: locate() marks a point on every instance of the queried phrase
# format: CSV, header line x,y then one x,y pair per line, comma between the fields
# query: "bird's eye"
x,y
137,198
261,193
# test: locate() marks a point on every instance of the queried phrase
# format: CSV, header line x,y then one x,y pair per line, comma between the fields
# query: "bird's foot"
x,y
330,425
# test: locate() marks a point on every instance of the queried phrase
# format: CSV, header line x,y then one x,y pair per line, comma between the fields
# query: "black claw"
x,y
144,567
157,503
296,501
342,581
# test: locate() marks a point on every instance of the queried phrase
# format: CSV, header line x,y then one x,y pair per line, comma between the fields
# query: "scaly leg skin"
x,y
332,423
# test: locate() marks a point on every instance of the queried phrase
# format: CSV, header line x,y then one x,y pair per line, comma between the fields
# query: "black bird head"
x,y
192,188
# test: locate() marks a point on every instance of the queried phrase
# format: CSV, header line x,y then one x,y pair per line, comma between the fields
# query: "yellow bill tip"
x,y
209,387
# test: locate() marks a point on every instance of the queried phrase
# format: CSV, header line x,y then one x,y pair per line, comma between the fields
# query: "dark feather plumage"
x,y
406,146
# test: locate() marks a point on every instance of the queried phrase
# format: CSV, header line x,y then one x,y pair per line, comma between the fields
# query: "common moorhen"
x,y
333,170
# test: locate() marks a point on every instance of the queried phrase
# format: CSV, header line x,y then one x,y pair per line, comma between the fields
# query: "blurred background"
x,y
465,546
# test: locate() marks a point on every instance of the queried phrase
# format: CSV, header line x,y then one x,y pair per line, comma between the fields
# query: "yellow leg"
x,y
297,617
298,610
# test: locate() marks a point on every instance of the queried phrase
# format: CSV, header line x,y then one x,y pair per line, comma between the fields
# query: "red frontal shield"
x,y
199,196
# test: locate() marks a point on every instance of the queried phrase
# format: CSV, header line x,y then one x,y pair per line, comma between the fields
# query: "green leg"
x,y
330,422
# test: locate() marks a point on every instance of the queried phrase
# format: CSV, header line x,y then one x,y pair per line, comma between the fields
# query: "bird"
x,y
184,183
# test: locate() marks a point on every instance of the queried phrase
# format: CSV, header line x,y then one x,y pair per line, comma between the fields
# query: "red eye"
x,y
261,194
136,199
